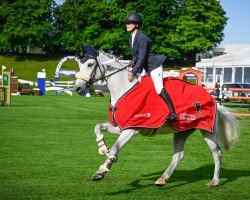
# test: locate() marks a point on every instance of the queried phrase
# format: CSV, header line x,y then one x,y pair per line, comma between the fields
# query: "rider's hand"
x,y
131,63
130,76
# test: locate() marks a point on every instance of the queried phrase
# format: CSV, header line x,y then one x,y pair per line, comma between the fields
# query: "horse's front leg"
x,y
124,137
102,146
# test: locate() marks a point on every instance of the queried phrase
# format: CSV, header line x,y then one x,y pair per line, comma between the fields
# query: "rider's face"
x,y
131,27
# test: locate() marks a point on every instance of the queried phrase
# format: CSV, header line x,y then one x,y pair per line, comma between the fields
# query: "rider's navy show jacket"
x,y
142,54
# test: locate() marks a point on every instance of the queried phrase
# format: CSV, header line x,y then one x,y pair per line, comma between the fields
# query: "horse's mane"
x,y
111,57
107,54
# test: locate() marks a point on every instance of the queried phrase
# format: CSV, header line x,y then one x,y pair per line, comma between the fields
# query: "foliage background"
x,y
177,28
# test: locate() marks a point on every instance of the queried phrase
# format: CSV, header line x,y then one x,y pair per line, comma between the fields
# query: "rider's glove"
x,y
131,63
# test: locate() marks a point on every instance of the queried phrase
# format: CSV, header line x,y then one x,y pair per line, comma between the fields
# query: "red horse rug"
x,y
143,107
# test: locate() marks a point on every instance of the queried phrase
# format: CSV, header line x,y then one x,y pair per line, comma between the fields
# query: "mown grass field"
x,y
27,66
48,151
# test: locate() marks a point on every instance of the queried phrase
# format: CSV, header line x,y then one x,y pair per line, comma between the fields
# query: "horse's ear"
x,y
91,51
91,48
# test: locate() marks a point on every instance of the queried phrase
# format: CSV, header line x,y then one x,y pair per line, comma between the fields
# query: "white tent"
x,y
231,67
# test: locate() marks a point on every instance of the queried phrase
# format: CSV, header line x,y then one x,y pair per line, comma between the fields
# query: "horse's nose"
x,y
78,90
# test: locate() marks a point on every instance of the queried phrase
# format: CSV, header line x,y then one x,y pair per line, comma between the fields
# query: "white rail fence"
x,y
64,84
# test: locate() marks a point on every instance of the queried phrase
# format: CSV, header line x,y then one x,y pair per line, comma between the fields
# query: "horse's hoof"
x,y
101,152
212,184
98,176
160,182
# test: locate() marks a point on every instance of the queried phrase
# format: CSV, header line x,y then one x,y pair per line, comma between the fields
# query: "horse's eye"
x,y
90,64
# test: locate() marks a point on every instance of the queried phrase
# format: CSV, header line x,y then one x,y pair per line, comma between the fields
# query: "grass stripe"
x,y
48,151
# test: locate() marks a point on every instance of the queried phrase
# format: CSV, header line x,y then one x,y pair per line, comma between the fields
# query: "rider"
x,y
143,58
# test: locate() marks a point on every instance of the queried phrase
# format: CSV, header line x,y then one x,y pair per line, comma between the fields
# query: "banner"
x,y
6,97
6,79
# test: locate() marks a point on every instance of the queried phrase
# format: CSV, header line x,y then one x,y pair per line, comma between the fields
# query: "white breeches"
x,y
157,77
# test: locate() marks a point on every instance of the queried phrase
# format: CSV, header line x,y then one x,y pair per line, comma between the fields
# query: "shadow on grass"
x,y
186,177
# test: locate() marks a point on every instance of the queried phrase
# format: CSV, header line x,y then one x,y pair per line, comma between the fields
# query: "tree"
x,y
88,21
177,28
2,22
199,27
180,28
27,23
68,22
160,18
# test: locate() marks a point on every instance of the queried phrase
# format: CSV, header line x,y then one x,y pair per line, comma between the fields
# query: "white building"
x,y
231,67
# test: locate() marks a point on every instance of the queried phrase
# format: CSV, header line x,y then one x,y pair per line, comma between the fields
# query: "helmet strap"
x,y
136,27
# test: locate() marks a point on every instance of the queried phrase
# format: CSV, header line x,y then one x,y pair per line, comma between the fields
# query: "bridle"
x,y
91,79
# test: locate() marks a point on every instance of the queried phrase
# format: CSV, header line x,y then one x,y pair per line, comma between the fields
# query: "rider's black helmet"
x,y
134,18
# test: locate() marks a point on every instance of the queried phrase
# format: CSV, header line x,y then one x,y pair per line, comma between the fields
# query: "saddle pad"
x,y
143,107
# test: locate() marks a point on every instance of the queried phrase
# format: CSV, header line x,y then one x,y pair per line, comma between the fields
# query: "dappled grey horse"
x,y
103,66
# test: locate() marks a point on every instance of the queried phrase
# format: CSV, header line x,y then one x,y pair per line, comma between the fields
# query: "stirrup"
x,y
172,117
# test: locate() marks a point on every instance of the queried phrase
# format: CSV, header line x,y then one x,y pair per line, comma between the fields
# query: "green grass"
x,y
48,151
27,66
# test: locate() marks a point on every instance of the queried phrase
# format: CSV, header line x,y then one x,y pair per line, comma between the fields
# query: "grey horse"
x,y
103,66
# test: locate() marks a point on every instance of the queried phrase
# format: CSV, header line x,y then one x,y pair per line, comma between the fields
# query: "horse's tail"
x,y
228,126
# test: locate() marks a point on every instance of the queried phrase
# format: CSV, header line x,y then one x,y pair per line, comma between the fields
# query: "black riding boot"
x,y
172,117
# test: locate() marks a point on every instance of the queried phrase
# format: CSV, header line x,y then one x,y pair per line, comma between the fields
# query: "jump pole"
x,y
241,115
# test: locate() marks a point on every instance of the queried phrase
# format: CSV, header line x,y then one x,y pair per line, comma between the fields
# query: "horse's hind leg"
x,y
102,146
217,156
178,154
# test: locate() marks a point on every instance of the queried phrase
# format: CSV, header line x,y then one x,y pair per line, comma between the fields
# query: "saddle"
x,y
142,107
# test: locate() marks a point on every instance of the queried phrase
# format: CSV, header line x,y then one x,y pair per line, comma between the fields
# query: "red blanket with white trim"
x,y
143,107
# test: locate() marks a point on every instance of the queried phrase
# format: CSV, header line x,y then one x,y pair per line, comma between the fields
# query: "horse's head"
x,y
98,65
89,71
83,77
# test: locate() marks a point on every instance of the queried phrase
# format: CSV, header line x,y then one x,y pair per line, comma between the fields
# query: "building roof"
x,y
235,55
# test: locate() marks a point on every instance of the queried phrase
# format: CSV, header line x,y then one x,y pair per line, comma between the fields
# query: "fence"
x,y
236,97
64,84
